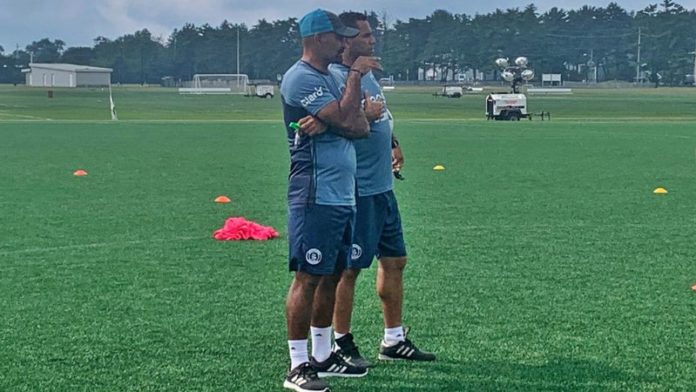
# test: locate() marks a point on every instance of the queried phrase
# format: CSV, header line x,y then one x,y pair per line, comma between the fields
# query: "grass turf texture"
x,y
539,259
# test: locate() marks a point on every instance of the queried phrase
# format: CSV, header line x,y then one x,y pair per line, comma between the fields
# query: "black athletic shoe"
x,y
404,350
335,366
304,379
348,351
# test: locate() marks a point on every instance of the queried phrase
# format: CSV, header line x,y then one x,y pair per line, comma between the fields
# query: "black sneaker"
x,y
404,350
304,379
348,351
335,366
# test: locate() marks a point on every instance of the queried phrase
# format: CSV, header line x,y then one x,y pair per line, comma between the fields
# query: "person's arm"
x,y
346,116
397,155
312,126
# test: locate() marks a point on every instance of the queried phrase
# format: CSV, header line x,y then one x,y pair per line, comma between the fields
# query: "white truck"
x,y
510,107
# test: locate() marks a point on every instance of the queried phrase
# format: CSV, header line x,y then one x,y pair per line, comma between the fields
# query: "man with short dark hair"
x,y
378,231
321,194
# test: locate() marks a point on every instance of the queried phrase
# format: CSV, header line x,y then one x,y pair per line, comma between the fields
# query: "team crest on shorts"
x,y
313,256
355,252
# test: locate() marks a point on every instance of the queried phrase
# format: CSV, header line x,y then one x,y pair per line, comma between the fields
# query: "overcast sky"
x,y
78,22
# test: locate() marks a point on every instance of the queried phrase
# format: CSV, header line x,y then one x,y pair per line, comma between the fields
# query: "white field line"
x,y
97,245
17,117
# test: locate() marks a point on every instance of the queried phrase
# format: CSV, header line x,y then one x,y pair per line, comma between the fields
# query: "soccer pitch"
x,y
540,259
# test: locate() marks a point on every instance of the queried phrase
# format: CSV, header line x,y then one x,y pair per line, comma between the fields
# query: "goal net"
x,y
217,84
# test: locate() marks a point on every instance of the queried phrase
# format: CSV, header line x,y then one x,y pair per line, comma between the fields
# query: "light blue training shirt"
x,y
374,173
322,167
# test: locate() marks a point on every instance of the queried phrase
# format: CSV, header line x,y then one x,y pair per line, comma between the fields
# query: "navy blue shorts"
x,y
378,230
320,238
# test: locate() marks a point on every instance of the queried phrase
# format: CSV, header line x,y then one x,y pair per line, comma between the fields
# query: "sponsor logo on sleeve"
x,y
318,92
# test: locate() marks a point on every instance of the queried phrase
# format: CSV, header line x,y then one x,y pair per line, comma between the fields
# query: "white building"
x,y
66,75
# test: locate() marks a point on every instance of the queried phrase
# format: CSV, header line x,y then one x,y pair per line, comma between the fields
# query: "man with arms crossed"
x,y
378,223
321,194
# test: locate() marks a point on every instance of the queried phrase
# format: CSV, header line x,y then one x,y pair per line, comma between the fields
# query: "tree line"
x,y
610,42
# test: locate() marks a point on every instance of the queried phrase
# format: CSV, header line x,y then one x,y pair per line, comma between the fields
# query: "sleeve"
x,y
311,92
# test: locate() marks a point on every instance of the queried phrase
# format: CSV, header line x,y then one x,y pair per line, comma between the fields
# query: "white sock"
x,y
338,335
393,336
298,352
321,343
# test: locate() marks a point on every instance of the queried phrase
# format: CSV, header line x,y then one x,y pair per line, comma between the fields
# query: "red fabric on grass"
x,y
238,228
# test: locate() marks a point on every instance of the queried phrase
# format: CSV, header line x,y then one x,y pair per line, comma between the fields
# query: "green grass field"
x,y
539,259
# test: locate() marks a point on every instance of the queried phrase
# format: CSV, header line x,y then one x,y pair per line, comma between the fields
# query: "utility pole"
x,y
238,77
595,71
694,74
638,60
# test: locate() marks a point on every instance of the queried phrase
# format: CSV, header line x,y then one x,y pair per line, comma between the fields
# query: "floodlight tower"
x,y
515,74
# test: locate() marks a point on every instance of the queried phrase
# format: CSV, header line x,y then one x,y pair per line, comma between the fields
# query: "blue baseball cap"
x,y
322,21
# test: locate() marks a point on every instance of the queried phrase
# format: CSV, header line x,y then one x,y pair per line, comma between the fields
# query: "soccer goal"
x,y
217,84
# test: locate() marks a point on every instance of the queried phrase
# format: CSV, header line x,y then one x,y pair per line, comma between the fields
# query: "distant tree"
x,y
443,47
78,55
404,46
272,47
183,45
668,36
577,43
45,50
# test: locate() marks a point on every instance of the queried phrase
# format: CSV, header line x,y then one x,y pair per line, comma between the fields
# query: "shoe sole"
x,y
297,388
331,374
383,357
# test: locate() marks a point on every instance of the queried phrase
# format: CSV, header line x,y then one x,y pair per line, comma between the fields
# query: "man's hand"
x,y
397,159
373,109
365,64
311,126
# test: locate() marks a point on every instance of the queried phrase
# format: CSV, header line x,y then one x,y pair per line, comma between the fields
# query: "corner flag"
x,y
113,106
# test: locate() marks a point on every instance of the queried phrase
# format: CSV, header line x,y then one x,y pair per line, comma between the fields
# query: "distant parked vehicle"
x,y
265,91
451,91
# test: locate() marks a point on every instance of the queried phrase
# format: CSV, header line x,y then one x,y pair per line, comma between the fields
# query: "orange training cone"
x,y
222,199
80,173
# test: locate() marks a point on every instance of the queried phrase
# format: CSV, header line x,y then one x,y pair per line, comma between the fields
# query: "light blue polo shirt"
x,y
322,167
374,173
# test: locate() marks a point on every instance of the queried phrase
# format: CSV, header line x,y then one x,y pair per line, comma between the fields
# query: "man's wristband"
x,y
395,143
355,70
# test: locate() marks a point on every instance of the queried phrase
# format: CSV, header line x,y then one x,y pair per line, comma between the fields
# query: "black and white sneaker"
x,y
404,350
348,351
335,366
304,378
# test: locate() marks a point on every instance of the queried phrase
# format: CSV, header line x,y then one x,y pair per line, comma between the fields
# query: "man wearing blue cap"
x,y
321,193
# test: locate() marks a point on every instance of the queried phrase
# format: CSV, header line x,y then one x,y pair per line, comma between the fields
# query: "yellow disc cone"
x,y
660,191
439,168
